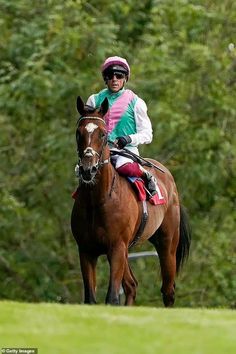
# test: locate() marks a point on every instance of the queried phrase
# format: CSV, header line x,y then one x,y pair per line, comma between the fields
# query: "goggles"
x,y
118,75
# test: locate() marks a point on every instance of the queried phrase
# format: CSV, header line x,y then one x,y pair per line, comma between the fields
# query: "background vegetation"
x,y
183,64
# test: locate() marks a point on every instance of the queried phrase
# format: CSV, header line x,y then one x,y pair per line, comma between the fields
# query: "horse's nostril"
x,y
94,169
81,169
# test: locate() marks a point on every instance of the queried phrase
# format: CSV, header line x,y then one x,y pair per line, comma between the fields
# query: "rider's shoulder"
x,y
140,103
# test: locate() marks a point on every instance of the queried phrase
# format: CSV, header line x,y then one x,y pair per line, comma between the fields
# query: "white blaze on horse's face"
x,y
90,127
89,151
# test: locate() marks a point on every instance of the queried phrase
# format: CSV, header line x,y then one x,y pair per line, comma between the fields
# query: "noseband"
x,y
91,150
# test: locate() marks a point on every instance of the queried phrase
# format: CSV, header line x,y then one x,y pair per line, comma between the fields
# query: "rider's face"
x,y
116,81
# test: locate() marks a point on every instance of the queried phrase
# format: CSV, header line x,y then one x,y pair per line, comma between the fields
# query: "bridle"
x,y
100,162
90,117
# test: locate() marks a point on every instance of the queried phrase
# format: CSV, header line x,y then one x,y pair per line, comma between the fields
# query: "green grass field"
x,y
67,329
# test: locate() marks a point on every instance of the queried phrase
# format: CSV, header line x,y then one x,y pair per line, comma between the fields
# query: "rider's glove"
x,y
122,141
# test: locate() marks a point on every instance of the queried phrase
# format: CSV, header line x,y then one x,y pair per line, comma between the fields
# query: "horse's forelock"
x,y
89,109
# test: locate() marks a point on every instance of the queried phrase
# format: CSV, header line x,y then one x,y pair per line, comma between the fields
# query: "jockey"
x,y
128,124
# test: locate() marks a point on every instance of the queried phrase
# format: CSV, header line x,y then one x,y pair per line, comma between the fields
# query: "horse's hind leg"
x,y
88,265
129,284
166,242
168,271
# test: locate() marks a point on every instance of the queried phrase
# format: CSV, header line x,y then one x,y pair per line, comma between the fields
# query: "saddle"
x,y
143,194
137,182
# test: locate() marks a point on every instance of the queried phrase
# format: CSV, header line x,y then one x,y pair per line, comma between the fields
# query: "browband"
x,y
91,117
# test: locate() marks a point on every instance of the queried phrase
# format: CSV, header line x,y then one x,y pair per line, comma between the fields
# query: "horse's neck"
x,y
103,187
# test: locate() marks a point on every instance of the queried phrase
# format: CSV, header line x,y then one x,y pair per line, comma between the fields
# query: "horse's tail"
x,y
184,239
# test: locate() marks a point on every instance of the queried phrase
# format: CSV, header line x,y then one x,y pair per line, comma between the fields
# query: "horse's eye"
x,y
102,135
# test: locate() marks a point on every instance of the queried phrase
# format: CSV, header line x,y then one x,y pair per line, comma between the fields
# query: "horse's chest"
x,y
94,224
102,226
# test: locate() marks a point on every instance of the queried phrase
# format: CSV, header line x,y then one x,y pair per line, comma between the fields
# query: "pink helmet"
x,y
116,63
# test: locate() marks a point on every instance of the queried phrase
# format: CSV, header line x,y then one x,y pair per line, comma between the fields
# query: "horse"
x,y
106,216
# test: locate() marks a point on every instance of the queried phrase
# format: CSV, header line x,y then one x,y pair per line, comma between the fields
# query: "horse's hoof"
x,y
168,300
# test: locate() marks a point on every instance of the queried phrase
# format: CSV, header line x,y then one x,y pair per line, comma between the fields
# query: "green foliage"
x,y
183,65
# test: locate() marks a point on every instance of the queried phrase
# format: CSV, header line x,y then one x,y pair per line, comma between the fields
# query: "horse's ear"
x,y
104,107
80,105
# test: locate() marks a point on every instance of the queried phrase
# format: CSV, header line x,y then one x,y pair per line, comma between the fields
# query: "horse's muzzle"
x,y
87,173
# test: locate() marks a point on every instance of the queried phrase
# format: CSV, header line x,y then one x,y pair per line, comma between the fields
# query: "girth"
x,y
142,224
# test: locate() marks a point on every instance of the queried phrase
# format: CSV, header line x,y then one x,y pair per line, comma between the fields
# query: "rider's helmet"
x,y
117,64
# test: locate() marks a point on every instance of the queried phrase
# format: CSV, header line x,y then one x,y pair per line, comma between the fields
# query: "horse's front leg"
x,y
117,258
88,269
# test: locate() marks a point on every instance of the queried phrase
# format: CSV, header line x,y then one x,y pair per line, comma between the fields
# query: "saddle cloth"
x,y
141,190
143,194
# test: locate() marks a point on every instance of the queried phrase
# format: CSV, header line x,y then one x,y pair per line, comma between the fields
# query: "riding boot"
x,y
134,169
151,183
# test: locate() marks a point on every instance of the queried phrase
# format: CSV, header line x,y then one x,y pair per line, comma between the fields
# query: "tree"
x,y
183,64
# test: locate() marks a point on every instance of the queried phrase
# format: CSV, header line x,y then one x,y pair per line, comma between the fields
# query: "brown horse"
x,y
107,214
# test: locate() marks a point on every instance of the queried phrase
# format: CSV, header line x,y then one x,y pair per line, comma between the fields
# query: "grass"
x,y
69,329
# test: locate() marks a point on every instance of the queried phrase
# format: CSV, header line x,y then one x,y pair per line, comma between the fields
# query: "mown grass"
x,y
67,329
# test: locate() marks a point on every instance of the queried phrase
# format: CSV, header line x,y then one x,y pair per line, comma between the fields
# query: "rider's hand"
x,y
122,141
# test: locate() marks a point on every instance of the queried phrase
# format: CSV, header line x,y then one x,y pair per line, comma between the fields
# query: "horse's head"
x,y
91,138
